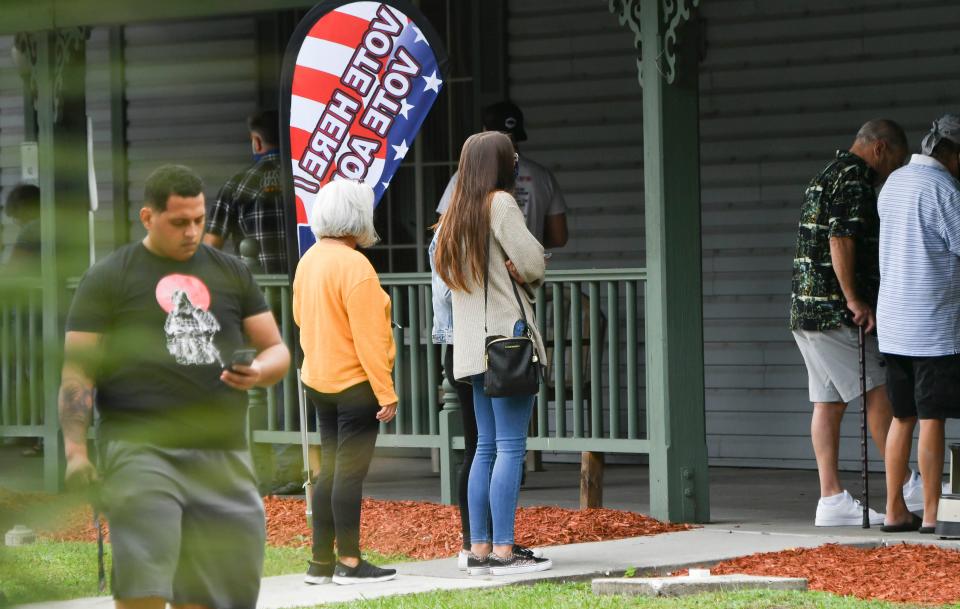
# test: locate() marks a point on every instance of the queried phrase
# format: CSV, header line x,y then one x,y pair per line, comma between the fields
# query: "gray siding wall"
x,y
783,84
11,134
190,86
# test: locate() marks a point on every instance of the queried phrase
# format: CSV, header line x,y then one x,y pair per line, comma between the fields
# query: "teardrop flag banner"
x,y
358,81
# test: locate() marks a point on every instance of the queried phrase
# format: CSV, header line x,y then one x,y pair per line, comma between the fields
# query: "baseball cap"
x,y
507,117
947,127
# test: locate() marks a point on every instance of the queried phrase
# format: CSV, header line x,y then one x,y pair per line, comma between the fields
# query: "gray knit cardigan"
x,y
509,240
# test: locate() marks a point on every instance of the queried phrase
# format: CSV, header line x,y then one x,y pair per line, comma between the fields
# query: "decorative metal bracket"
x,y
25,56
628,13
675,14
67,42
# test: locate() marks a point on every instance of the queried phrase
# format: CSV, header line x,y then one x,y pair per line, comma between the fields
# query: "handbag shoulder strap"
x,y
486,285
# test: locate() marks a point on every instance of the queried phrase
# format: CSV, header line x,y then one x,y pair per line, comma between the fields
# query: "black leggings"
x,y
348,434
465,395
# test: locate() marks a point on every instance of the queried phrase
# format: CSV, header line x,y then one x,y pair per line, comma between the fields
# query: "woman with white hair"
x,y
348,353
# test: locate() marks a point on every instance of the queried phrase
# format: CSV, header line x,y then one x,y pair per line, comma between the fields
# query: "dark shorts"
x,y
186,525
924,387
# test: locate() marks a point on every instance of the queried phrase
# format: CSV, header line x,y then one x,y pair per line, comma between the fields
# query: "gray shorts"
x,y
186,525
833,363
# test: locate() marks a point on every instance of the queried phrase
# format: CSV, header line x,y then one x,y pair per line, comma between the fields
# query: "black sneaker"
x,y
288,488
364,572
319,573
526,552
517,564
477,565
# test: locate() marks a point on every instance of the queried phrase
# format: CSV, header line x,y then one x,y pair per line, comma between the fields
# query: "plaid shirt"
x,y
840,201
250,204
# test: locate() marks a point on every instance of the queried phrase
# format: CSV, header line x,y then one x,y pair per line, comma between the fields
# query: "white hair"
x,y
344,208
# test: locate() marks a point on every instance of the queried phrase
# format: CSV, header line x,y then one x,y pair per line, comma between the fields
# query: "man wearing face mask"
x,y
834,290
918,312
250,204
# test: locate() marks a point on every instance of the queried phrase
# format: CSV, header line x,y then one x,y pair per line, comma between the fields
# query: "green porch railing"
x,y
591,400
21,358
416,370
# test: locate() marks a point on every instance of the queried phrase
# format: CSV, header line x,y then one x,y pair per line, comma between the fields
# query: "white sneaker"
x,y
843,510
913,493
462,559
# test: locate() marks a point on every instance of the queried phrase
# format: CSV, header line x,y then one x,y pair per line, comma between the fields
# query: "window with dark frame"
x,y
408,209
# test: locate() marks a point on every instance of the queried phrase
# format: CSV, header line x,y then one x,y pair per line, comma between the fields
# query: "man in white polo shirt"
x,y
918,312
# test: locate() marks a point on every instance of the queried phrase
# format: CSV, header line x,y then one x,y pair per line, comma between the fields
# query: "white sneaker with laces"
x,y
913,492
842,510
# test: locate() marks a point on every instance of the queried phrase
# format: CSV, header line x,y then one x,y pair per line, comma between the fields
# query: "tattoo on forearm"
x,y
76,409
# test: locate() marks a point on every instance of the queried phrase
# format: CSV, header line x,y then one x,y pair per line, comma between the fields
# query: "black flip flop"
x,y
927,530
914,524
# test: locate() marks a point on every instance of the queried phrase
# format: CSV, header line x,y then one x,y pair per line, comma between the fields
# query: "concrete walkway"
x,y
576,562
753,510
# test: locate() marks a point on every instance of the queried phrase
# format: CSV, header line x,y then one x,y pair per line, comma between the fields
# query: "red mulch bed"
x,y
904,573
416,529
428,530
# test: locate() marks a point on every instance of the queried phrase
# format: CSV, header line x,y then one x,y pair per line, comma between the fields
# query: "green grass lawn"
x,y
49,571
579,596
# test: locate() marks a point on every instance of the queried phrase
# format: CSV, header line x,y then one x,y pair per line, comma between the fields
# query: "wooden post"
x,y
53,457
64,203
591,480
679,491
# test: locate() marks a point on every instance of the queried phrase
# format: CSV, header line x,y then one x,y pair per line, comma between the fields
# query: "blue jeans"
x,y
494,484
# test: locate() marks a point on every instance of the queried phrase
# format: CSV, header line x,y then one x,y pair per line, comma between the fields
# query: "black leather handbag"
x,y
513,367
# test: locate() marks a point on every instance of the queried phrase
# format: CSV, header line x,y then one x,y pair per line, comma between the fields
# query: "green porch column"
x,y
58,71
667,39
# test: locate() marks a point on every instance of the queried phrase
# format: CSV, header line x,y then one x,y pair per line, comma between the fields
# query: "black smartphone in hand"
x,y
242,357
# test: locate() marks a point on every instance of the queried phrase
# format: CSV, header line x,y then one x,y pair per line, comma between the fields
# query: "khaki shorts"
x,y
833,363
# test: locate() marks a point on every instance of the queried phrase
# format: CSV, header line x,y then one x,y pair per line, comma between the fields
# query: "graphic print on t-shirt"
x,y
190,328
522,191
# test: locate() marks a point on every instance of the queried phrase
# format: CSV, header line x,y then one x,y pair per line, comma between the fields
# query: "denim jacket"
x,y
442,302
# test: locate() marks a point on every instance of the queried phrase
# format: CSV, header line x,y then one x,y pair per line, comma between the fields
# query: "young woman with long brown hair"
x,y
483,232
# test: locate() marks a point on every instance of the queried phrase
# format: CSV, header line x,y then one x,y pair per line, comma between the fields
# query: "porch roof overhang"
x,y
37,15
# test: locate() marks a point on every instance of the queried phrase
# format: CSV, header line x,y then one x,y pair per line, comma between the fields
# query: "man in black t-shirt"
x,y
150,338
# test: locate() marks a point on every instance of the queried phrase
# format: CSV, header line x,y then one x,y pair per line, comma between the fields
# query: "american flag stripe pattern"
x,y
365,78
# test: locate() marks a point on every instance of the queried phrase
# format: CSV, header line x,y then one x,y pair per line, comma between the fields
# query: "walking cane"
x,y
863,430
305,443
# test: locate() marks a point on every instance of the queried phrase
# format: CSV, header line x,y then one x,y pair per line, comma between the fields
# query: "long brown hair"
x,y
486,166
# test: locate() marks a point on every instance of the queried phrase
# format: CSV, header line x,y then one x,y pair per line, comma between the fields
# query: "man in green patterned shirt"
x,y
836,277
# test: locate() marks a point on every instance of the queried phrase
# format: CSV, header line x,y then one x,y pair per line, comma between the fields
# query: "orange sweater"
x,y
344,319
